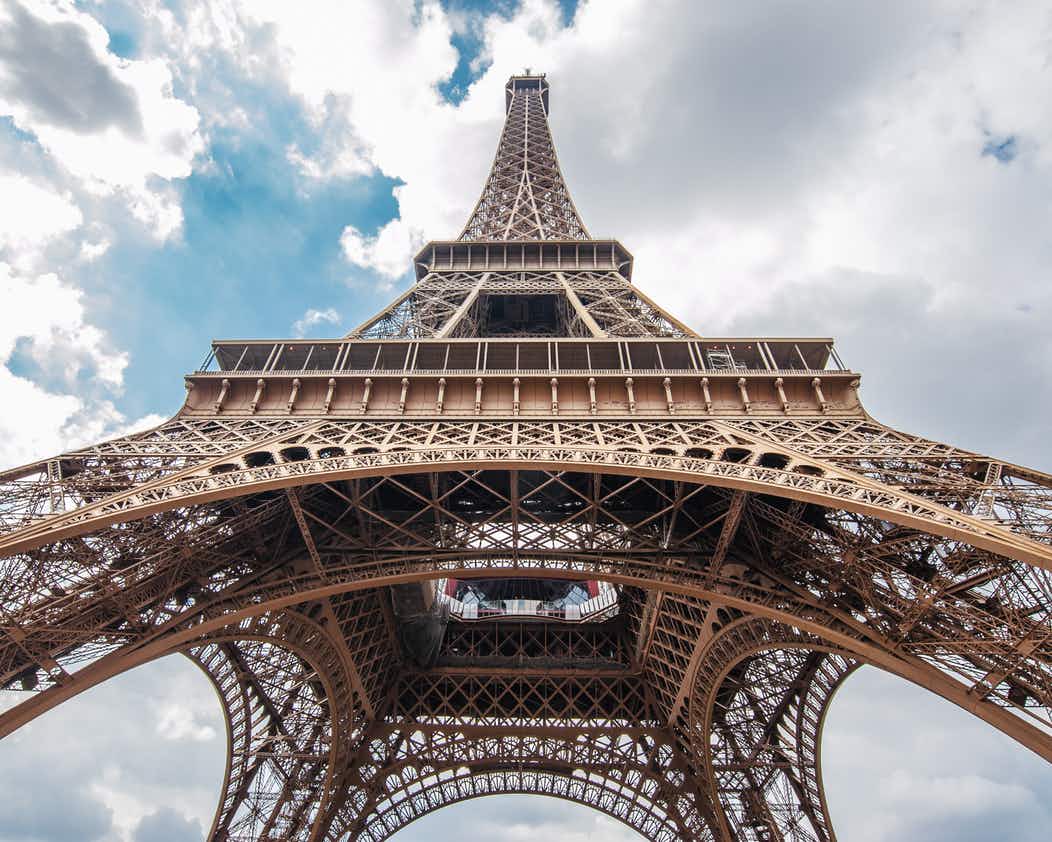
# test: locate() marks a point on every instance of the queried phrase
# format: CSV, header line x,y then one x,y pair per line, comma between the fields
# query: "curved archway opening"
x,y
900,762
140,756
516,817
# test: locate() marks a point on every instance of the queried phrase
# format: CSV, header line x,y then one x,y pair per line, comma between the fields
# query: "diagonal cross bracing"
x,y
523,421
525,197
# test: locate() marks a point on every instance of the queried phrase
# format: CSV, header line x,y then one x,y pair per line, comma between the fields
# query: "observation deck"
x,y
524,376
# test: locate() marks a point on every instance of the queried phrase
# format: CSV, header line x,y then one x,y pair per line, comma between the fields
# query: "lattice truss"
x,y
616,307
525,196
759,560
525,199
453,304
424,310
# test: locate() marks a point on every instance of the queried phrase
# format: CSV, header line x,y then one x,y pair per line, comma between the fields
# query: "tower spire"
x,y
525,196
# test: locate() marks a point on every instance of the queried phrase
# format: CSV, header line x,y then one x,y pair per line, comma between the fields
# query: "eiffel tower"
x,y
524,531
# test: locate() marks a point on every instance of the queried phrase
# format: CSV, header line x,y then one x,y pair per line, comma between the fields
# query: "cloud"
x,y
385,252
31,217
313,318
178,722
368,76
923,352
44,324
53,70
28,814
900,763
100,755
49,315
967,795
111,123
90,251
167,825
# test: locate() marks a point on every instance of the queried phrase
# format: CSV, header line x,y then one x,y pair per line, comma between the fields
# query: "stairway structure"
x,y
524,531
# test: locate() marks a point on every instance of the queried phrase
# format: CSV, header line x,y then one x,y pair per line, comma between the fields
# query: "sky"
x,y
176,172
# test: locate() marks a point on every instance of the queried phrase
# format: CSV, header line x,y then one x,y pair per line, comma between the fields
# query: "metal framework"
x,y
523,411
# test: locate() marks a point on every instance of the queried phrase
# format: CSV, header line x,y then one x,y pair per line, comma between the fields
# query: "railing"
x,y
591,356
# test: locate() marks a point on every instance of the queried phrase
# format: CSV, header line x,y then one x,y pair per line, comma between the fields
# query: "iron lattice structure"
x,y
523,412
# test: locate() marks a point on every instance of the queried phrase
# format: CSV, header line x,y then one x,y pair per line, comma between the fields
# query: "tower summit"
x,y
525,197
524,531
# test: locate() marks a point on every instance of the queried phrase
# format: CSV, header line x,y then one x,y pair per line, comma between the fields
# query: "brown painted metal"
x,y
524,411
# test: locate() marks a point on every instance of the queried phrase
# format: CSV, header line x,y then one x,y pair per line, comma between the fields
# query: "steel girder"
x,y
525,197
759,556
212,577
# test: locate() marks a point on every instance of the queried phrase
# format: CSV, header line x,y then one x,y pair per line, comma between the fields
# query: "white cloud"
x,y
178,722
90,251
32,216
50,316
37,427
900,763
44,320
313,318
113,124
339,162
367,74
102,750
385,252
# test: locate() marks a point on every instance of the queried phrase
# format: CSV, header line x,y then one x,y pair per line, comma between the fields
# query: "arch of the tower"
x,y
467,783
594,743
294,716
736,566
899,565
630,772
780,459
757,708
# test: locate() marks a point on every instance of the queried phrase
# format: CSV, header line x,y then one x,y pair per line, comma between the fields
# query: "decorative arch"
x,y
292,721
630,773
308,538
742,468
756,714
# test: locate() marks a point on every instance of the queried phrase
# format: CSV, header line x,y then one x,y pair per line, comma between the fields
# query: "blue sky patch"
x,y
468,42
259,246
1004,149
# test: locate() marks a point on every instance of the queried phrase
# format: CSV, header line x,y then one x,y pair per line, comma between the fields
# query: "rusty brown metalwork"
x,y
523,413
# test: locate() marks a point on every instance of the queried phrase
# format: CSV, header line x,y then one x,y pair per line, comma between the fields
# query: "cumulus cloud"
x,y
50,316
44,323
367,74
385,252
967,795
334,160
90,251
315,318
167,825
54,73
900,763
31,217
113,124
98,755
176,721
